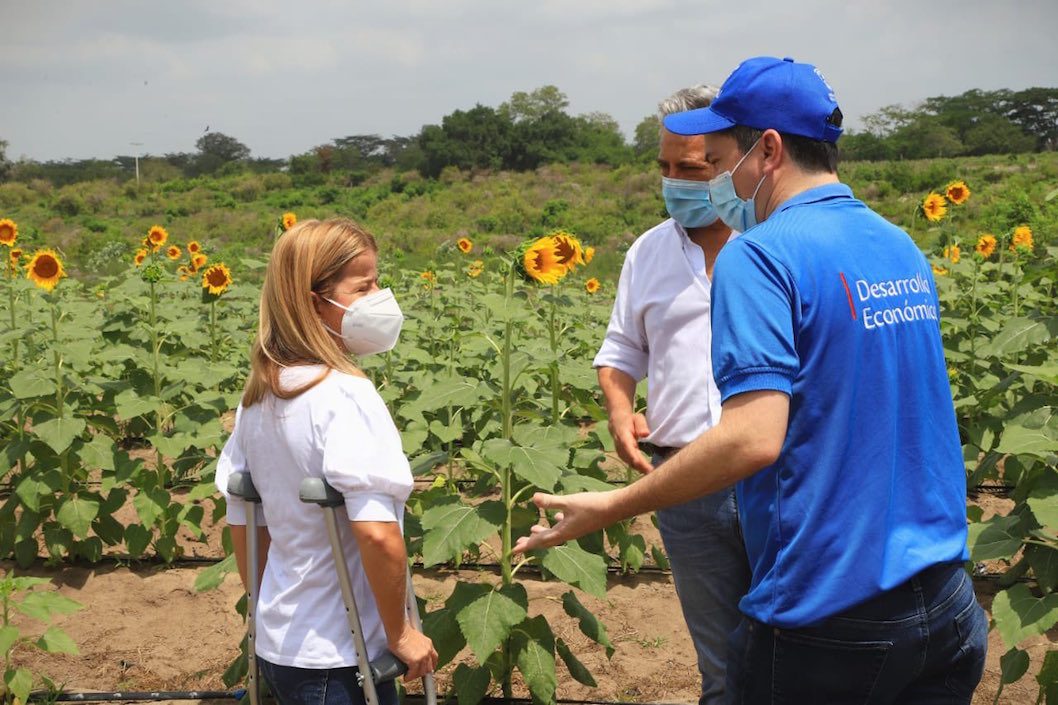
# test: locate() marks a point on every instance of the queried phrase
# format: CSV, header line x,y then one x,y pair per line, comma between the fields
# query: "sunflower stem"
x,y
155,349
58,360
213,330
554,361
14,342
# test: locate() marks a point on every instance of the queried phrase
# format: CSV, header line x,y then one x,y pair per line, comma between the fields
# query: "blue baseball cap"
x,y
768,93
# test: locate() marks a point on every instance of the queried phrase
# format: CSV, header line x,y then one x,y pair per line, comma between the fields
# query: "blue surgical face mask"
x,y
737,213
688,202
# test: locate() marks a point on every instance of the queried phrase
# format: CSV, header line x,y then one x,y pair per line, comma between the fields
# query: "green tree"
x,y
533,106
476,138
5,166
647,139
215,149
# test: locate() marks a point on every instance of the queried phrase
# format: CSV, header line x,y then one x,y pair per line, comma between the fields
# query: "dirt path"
x,y
145,628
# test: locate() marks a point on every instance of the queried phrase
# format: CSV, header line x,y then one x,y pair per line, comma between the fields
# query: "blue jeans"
x,y
922,642
703,541
320,686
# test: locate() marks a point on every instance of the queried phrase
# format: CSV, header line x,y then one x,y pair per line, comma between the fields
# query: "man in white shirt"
x,y
660,329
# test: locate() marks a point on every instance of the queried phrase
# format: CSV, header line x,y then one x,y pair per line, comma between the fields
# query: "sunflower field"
x,y
117,387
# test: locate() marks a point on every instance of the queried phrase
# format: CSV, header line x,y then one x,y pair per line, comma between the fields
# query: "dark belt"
x,y
660,451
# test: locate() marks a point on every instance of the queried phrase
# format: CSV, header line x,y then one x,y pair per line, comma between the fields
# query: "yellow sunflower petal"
x,y
45,269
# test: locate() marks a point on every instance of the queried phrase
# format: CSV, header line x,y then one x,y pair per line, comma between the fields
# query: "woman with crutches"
x,y
308,411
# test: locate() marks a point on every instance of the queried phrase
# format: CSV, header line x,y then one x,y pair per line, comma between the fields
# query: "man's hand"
x,y
578,514
416,650
627,430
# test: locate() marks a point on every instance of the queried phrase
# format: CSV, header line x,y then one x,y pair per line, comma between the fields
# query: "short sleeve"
x,y
362,454
233,460
755,308
625,346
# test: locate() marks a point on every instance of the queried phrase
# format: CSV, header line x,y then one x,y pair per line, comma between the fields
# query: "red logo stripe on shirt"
x,y
848,294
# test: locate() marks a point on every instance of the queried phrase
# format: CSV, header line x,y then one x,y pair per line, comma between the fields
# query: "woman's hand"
x,y
416,650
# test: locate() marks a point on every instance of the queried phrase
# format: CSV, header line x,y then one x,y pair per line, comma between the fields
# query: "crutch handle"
x,y
387,667
240,484
315,490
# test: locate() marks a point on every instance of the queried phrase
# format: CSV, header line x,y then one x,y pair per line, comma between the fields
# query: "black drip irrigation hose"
x,y
154,696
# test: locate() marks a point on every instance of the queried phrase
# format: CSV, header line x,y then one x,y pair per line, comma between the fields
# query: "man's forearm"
x,y
618,390
749,437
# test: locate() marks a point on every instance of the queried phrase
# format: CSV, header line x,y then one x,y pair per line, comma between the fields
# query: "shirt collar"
x,y
825,192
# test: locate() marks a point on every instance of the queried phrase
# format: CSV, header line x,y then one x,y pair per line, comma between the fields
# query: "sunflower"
x,y
464,245
592,285
15,254
941,271
8,232
193,248
428,279
157,237
1021,239
288,221
475,269
541,261
183,272
953,253
957,192
986,245
197,262
934,207
589,254
568,250
217,279
45,269
140,256
173,252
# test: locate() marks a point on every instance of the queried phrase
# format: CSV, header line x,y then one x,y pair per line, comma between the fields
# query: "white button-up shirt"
x,y
659,329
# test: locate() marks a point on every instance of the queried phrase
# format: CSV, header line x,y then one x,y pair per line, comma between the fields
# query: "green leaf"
x,y
1047,372
1044,563
1019,440
540,467
150,504
451,526
1019,334
471,684
998,537
76,514
57,539
99,452
588,622
572,564
19,681
534,646
213,576
31,383
1043,500
1013,664
1048,675
1019,614
56,641
137,539
130,404
59,433
36,485
446,433
487,621
577,669
42,605
8,636
443,629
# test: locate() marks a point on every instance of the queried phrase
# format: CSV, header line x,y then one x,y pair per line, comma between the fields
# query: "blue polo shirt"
x,y
831,304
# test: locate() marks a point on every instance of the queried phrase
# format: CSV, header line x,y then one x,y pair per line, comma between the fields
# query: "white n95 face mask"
x,y
371,324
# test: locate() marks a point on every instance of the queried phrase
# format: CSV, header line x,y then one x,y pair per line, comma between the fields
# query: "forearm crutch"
x,y
386,667
241,485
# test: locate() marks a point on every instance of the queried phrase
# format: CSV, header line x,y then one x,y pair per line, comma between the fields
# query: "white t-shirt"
x,y
659,329
339,430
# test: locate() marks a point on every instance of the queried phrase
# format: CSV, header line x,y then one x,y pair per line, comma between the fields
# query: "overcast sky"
x,y
85,78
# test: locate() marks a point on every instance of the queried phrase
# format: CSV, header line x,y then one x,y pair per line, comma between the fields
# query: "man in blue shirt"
x,y
837,421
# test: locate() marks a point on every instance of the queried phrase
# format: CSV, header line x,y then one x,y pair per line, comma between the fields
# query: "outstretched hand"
x,y
578,514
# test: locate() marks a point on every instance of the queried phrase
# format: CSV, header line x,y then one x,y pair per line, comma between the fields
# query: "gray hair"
x,y
692,98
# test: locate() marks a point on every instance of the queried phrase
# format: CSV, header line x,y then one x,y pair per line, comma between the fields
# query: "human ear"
x,y
317,303
771,150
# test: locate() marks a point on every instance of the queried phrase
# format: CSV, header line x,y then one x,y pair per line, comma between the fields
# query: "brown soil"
x,y
145,628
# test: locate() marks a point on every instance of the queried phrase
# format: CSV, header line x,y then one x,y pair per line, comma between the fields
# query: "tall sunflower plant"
x,y
471,386
999,322
62,459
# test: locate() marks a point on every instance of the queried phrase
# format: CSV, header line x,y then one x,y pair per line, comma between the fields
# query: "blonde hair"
x,y
307,258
